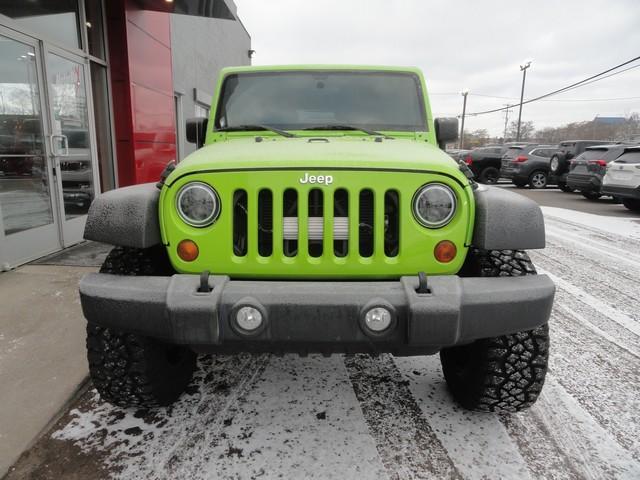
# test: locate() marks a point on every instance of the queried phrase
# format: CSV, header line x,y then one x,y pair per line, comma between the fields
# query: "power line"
x,y
557,99
568,87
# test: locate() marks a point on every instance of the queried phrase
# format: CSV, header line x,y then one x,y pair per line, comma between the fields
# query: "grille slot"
x,y
340,223
315,221
265,223
240,223
392,223
366,224
290,223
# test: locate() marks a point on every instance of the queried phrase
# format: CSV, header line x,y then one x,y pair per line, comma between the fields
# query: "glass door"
x,y
72,147
28,210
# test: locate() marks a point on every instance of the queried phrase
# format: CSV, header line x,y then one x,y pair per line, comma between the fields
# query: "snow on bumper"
x,y
322,317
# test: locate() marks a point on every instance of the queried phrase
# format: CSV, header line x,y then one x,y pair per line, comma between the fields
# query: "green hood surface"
x,y
318,153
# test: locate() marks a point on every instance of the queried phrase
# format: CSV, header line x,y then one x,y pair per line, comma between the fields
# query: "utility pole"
x,y
464,94
523,69
506,121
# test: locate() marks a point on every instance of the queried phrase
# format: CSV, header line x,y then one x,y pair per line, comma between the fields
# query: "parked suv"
x,y
588,168
527,165
485,162
559,165
622,179
319,215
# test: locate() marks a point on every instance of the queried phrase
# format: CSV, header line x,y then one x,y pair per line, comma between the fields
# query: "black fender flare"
x,y
126,217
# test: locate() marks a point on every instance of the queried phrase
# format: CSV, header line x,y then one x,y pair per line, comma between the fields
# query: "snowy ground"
x,y
392,418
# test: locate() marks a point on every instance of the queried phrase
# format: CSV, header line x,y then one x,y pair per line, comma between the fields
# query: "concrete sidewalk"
x,y
42,351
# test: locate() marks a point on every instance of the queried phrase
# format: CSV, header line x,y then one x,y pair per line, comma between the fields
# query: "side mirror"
x,y
196,130
446,131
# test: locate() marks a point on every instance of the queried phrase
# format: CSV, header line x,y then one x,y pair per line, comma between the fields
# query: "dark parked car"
x,y
567,150
528,165
587,169
485,162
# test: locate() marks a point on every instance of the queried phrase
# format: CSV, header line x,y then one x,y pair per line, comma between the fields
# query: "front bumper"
x,y
324,317
584,183
622,192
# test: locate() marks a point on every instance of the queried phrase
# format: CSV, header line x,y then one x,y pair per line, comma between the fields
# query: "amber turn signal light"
x,y
188,250
445,251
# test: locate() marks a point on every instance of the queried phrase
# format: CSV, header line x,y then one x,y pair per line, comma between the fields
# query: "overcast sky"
x,y
477,45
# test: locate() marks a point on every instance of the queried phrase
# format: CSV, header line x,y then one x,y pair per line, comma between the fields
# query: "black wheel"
x,y
489,175
538,180
591,195
558,164
519,184
565,188
498,374
131,370
632,204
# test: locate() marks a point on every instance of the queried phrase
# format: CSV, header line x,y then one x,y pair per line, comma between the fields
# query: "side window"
x,y
201,111
496,150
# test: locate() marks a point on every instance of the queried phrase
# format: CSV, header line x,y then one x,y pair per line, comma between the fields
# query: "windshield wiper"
x,y
249,128
347,127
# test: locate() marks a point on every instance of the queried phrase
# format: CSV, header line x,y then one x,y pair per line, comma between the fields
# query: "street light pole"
x,y
506,121
523,69
464,94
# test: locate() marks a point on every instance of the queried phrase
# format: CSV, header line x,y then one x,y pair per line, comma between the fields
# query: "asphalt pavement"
x,y
554,197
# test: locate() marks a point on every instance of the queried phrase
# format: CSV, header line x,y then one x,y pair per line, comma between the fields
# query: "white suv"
x,y
623,178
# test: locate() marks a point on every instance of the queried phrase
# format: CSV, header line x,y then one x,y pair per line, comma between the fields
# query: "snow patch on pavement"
x,y
616,225
478,443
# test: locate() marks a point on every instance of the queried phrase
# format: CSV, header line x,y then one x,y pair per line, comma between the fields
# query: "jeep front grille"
x,y
316,222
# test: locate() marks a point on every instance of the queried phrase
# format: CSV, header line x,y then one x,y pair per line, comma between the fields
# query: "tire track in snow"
x,y
477,443
586,449
624,242
156,444
604,251
293,418
568,305
604,384
597,304
406,442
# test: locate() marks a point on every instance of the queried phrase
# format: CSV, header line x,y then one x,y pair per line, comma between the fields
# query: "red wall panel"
x,y
141,76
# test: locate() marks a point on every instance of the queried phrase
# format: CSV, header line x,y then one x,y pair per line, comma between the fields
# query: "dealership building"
x,y
94,94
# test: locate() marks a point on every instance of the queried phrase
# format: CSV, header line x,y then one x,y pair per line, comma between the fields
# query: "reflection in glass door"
x,y
70,139
27,214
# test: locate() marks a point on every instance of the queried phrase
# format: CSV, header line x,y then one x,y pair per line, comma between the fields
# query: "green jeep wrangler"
x,y
318,216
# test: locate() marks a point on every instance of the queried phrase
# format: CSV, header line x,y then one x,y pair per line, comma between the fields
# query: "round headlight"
x,y
198,204
434,205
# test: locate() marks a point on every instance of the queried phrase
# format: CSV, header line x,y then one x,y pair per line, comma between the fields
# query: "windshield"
x,y
390,101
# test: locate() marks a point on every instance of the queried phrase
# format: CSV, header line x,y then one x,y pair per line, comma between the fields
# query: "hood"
x,y
356,152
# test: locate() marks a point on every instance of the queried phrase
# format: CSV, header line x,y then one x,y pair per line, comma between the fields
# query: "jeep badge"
x,y
326,179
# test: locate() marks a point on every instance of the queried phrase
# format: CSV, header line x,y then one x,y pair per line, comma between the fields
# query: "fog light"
x,y
188,250
249,318
445,251
377,319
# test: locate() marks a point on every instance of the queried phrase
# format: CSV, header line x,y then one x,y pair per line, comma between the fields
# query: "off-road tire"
x,y
131,370
130,261
632,204
489,175
499,374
